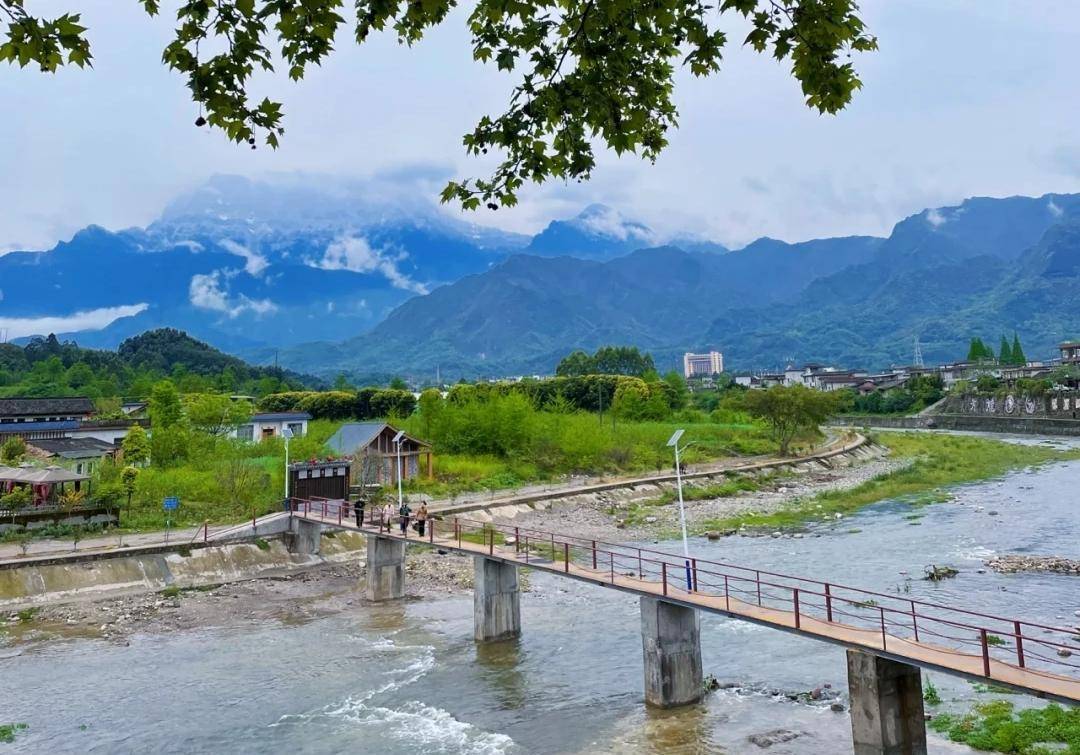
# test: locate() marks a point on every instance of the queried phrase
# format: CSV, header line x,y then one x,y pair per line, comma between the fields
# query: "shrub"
x,y
18,498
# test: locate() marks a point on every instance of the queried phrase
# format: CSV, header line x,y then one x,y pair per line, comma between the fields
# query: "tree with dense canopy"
x,y
608,360
586,69
791,410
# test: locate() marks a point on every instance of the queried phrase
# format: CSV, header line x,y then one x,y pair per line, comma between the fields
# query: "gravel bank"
x,y
616,515
299,596
1010,564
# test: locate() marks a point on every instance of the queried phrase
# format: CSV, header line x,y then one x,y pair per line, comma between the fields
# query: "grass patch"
x,y
172,591
930,693
27,615
8,731
553,446
262,544
997,726
937,461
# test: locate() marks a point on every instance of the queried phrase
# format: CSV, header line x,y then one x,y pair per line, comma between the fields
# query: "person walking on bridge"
x,y
421,518
386,516
405,513
358,509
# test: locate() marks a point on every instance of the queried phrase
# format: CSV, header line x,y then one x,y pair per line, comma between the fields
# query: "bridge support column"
x,y
385,568
305,538
671,643
496,601
886,706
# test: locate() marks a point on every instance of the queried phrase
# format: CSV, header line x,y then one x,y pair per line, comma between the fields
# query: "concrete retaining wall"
x,y
629,490
66,580
841,455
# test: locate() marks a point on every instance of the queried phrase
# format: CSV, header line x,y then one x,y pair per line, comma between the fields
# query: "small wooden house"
x,y
319,479
375,455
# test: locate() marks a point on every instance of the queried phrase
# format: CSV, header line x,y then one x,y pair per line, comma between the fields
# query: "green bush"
x,y
19,498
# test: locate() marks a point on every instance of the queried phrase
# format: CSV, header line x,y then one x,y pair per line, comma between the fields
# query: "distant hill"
x,y
524,314
986,266
48,366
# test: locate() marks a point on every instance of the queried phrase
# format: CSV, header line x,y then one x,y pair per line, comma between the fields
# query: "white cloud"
x,y
606,221
935,218
210,292
91,319
192,246
254,263
355,254
1055,210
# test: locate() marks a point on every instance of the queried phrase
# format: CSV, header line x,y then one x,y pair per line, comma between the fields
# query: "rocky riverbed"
x,y
1014,563
627,514
291,597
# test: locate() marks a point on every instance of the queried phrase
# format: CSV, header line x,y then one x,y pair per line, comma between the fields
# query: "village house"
x,y
375,455
34,419
272,425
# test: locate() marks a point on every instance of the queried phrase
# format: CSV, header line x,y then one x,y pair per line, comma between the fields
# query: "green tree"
x,y
164,406
1018,356
136,446
974,351
576,364
13,450
129,477
1005,352
431,404
215,414
398,384
790,410
678,394
586,72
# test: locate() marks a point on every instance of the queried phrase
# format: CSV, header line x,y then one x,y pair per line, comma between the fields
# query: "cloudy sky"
x,y
968,97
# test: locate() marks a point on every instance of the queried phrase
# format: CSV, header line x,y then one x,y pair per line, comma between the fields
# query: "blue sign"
x,y
172,503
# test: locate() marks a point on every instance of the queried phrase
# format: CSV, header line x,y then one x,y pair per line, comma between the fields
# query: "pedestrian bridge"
x,y
889,637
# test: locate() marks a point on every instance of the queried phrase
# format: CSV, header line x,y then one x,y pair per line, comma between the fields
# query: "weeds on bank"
x,y
936,461
996,726
8,732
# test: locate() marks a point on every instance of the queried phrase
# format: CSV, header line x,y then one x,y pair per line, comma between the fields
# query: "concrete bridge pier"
x,y
496,601
886,706
385,568
671,643
304,538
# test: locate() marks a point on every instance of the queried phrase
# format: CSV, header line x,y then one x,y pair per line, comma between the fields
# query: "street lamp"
x,y
397,442
674,443
287,434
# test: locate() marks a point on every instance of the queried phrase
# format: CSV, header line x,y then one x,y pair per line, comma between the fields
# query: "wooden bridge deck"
x,y
979,666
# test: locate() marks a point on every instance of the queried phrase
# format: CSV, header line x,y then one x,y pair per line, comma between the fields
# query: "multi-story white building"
x,y
699,365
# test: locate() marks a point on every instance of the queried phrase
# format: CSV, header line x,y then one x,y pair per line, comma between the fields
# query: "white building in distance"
x,y
702,365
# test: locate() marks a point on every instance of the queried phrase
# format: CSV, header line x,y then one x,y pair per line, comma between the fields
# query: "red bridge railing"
x,y
899,621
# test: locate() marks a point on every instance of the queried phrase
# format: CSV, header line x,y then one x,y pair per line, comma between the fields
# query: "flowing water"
x,y
407,678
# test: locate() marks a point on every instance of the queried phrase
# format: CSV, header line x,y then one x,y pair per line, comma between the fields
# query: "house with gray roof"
x,y
376,458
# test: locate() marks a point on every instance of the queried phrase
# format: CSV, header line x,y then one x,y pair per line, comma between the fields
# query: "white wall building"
x,y
699,365
272,425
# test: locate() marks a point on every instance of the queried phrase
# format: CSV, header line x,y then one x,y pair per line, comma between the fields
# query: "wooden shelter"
x,y
319,479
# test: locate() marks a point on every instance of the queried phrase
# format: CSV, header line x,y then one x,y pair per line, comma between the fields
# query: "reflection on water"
x,y
407,677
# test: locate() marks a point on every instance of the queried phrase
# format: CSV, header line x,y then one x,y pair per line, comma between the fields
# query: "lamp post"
x,y
287,434
674,443
397,442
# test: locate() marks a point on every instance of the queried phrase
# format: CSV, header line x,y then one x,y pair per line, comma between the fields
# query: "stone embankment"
x,y
854,460
1014,563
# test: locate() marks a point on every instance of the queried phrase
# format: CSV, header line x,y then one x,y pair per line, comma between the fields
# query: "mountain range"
x,y
330,276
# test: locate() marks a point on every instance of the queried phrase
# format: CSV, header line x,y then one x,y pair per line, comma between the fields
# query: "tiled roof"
x,y
33,407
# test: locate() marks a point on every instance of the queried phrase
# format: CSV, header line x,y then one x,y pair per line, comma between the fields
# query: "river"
x,y
407,678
